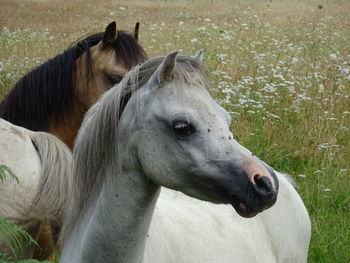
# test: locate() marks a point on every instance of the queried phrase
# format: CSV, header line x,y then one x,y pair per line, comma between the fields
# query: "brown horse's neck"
x,y
68,129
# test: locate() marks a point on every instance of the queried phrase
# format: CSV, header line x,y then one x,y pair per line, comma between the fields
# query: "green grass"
x,y
281,67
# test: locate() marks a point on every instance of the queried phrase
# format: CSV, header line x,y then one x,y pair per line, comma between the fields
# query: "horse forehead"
x,y
106,60
194,98
185,93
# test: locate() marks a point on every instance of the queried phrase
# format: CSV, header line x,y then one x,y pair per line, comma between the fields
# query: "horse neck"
x,y
116,225
84,85
68,129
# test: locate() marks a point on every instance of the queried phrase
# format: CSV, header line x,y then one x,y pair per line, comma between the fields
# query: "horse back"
x,y
18,153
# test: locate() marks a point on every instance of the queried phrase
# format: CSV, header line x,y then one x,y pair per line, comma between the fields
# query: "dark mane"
x,y
46,94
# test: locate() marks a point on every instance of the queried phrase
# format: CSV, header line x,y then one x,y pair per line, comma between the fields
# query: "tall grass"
x,y
282,68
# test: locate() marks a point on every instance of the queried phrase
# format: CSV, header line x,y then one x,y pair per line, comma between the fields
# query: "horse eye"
x,y
183,128
114,79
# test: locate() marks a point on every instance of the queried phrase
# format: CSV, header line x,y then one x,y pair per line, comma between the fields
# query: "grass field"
x,y
282,68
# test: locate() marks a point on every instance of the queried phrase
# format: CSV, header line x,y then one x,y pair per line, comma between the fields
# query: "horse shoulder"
x,y
288,224
187,228
19,154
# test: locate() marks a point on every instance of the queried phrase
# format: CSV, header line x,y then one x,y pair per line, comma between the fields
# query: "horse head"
x,y
184,141
106,63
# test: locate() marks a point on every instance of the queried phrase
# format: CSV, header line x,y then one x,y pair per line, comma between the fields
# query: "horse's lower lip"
x,y
243,210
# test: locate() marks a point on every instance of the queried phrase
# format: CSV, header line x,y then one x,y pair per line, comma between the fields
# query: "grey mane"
x,y
95,146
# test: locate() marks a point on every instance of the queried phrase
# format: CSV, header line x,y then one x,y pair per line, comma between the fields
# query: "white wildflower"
x,y
333,56
295,60
320,88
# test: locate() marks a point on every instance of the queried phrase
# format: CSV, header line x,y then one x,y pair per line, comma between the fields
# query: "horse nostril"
x,y
255,178
263,185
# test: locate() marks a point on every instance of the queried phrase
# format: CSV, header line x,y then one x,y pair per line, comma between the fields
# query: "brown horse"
x,y
54,96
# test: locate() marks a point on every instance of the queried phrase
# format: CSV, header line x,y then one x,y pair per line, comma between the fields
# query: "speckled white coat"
x,y
132,220
19,154
186,230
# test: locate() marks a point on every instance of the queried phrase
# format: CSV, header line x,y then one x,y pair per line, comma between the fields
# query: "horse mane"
x,y
47,92
96,143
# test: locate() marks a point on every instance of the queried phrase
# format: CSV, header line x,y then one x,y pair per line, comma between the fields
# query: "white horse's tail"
x,y
51,200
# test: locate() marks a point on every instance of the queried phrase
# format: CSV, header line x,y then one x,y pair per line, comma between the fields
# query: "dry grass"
x,y
281,67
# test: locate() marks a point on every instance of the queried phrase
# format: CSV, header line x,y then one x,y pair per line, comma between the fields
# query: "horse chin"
x,y
243,210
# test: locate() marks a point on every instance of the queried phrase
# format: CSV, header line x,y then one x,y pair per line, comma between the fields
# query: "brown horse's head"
x,y
105,64
54,96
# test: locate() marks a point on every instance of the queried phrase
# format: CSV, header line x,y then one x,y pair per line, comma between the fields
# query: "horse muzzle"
x,y
257,195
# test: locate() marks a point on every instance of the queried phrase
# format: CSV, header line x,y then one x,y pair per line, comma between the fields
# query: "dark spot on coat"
x,y
16,132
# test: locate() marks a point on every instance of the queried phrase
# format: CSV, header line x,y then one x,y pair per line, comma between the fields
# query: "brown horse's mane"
x,y
46,94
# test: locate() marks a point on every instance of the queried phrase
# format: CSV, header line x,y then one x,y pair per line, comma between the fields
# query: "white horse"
x,y
160,127
37,159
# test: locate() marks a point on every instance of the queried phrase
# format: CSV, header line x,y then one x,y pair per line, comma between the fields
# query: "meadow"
x,y
281,68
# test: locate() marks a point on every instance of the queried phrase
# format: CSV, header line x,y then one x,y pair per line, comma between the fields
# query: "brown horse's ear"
x,y
136,31
110,35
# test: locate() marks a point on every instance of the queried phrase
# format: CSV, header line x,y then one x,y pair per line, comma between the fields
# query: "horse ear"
x,y
165,69
167,66
110,35
199,56
136,31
